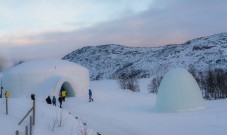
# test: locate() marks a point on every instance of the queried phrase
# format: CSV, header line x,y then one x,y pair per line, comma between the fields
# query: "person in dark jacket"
x,y
60,101
90,95
54,101
48,100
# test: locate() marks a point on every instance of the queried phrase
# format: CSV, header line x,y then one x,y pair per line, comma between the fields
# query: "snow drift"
x,y
46,77
178,91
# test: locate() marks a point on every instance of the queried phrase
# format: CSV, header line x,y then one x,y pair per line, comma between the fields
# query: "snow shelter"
x,y
46,77
178,91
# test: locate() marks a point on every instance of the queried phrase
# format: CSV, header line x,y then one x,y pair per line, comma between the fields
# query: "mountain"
x,y
110,61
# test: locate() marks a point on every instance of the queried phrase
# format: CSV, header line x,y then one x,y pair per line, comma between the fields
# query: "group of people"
x,y
53,100
60,98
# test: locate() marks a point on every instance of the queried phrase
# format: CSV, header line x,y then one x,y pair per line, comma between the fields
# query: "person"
x,y
33,96
90,95
63,94
6,94
48,100
60,101
54,101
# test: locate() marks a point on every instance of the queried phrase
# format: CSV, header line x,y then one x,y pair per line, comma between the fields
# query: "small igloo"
x,y
178,91
46,77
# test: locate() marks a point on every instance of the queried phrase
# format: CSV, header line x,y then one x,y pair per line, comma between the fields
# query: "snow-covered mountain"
x,y
109,61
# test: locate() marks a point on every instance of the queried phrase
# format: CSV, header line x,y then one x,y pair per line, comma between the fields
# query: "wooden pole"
x,y
25,116
17,132
26,130
30,125
6,106
33,112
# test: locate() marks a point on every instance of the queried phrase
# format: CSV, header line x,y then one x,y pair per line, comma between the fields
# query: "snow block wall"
x,y
178,91
46,77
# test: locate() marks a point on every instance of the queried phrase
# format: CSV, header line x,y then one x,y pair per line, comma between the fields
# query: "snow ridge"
x,y
109,61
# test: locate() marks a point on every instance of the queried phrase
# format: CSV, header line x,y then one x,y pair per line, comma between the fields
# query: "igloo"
x,y
178,91
46,77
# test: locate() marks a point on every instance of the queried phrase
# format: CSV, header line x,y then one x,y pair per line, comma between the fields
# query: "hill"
x,y
111,61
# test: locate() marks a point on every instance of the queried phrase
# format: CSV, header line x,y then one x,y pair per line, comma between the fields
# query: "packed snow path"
x,y
117,112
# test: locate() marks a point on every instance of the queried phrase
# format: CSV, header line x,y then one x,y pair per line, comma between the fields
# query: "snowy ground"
x,y
47,119
118,112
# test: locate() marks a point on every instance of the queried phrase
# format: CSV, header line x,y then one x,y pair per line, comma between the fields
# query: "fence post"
x,y
25,116
26,130
6,106
30,125
17,132
33,112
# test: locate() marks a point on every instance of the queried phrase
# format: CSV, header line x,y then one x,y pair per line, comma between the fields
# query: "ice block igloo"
x,y
46,77
178,91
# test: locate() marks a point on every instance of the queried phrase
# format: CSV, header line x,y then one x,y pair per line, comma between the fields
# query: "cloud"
x,y
175,22
165,22
52,15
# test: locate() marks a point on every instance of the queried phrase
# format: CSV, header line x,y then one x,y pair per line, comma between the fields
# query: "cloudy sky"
x,y
52,28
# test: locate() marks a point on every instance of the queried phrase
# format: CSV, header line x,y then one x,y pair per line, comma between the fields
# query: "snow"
x,y
178,91
117,112
45,117
46,77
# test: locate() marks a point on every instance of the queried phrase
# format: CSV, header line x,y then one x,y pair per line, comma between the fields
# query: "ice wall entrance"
x,y
69,90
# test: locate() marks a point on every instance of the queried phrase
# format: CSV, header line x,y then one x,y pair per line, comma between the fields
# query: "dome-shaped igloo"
x,y
178,91
46,77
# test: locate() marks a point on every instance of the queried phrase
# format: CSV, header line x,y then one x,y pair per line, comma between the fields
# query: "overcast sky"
x,y
53,28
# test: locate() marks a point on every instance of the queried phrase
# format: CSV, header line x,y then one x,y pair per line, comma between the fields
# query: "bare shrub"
x,y
154,85
129,80
58,121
